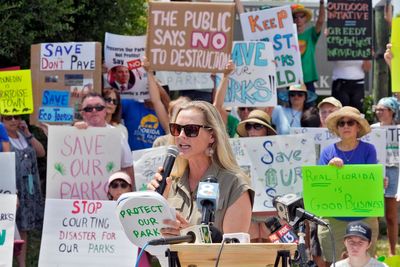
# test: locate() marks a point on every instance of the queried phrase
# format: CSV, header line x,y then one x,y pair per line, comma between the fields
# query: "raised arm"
x,y
321,17
221,92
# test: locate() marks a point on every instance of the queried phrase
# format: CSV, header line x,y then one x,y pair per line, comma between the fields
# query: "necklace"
x,y
347,159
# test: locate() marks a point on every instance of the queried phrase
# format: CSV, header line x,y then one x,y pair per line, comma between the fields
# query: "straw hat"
x,y
350,112
298,8
330,100
256,116
119,175
284,95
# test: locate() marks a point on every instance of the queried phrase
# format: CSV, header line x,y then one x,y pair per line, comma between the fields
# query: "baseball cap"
x,y
360,229
119,175
330,100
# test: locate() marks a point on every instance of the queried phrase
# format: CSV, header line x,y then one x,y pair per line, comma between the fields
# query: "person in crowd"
x,y
114,109
327,106
308,38
94,115
357,240
349,125
386,111
4,140
298,99
204,151
348,81
310,118
31,203
122,80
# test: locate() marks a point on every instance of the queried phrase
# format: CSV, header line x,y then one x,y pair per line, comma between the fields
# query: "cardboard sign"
x,y
395,64
349,29
350,191
62,73
141,215
275,165
178,81
276,25
79,162
123,58
253,82
67,56
16,92
84,233
7,177
8,204
189,36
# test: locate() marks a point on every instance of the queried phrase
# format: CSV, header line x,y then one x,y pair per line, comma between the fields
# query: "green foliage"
x,y
24,23
367,106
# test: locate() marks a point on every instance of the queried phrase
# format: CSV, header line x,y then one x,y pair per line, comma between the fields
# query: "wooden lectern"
x,y
248,255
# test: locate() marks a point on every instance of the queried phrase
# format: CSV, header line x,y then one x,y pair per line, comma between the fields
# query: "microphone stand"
x,y
301,257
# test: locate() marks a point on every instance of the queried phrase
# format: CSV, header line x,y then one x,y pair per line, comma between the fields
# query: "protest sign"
x,y
349,29
84,233
178,81
123,58
8,204
16,92
253,81
276,25
276,165
7,167
189,36
141,215
146,163
62,73
352,190
79,162
395,64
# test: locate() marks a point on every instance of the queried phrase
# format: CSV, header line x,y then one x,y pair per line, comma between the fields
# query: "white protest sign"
x,y
126,51
7,176
146,163
253,82
276,165
67,56
79,162
323,137
8,205
392,144
141,215
178,81
84,233
276,25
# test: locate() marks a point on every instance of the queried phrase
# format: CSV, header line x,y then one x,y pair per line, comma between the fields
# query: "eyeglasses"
x,y
122,184
191,130
243,108
381,109
90,108
110,100
10,117
292,94
350,123
256,126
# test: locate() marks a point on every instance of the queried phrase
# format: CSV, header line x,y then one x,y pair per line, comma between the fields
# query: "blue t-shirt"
x,y
3,136
280,121
142,124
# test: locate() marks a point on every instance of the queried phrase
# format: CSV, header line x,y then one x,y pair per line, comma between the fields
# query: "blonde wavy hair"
x,y
223,154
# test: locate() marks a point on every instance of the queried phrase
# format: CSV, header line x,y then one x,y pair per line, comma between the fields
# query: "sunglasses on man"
x,y
92,108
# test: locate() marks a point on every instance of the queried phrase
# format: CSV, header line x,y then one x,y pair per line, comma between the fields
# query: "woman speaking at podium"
x,y
204,151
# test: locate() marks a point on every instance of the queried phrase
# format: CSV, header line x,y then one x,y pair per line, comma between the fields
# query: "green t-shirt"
x,y
307,42
231,125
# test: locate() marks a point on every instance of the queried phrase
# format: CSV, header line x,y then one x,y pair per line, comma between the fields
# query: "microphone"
x,y
190,237
279,233
207,199
172,152
303,214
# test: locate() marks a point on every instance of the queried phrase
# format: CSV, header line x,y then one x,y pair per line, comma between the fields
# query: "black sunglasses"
x,y
110,100
350,123
90,108
256,126
297,94
122,184
191,130
249,109
10,117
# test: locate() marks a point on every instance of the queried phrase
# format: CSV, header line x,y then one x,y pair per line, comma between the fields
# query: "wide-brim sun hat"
x,y
119,175
255,116
284,95
299,8
349,112
330,100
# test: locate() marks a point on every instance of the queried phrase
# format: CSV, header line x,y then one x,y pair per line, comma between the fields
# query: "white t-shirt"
x,y
372,263
348,70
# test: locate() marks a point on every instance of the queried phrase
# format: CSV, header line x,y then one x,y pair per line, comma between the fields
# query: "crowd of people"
x,y
201,131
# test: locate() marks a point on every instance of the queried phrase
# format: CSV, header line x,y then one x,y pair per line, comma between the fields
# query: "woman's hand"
x,y
81,125
146,65
388,55
174,227
338,162
229,68
155,183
